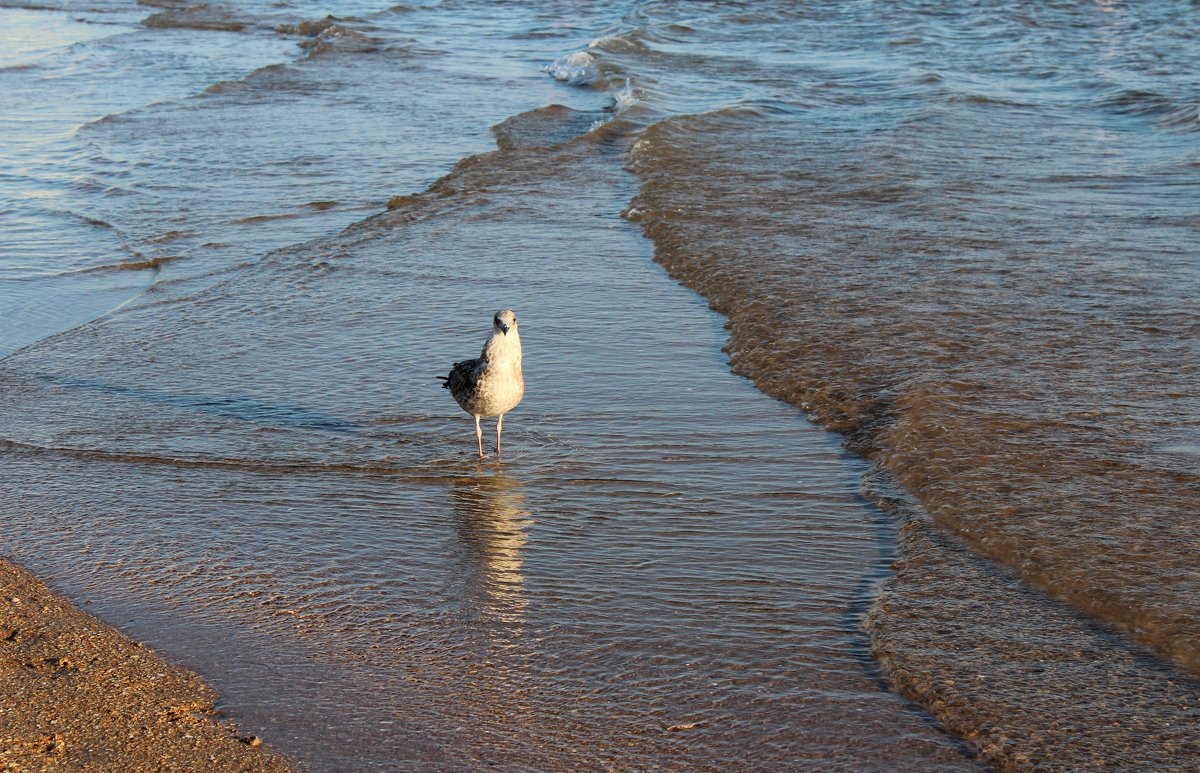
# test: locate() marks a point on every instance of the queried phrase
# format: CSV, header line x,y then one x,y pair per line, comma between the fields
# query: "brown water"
x,y
962,237
970,244
1039,399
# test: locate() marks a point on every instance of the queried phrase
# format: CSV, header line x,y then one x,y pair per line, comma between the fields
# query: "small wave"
x,y
124,116
272,74
341,39
1185,118
986,100
170,236
85,219
310,28
625,98
578,69
222,87
227,463
1136,102
546,127
252,410
309,209
766,107
149,264
621,43
197,17
601,41
1170,114
252,219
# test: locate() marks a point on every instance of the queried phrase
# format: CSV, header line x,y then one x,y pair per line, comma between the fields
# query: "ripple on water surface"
x,y
952,249
667,570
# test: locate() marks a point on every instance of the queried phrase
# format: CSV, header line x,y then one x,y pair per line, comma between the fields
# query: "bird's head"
x,y
505,321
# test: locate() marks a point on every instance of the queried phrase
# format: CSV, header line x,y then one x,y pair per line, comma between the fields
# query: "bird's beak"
x,y
503,328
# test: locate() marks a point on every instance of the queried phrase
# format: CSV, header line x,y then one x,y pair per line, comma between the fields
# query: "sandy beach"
x,y
80,696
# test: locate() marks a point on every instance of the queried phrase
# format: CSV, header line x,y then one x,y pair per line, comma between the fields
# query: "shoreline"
x,y
83,696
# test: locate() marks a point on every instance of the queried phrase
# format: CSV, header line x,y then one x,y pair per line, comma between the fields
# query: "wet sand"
x,y
78,696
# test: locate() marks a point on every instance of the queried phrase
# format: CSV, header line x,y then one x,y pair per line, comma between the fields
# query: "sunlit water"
x,y
250,465
965,235
245,458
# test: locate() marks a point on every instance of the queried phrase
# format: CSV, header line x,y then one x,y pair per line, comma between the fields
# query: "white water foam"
x,y
625,98
577,69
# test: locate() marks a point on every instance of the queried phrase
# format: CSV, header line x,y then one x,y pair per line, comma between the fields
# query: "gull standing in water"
x,y
491,385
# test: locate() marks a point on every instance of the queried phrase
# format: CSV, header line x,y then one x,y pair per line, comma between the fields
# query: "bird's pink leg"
x,y
499,424
479,436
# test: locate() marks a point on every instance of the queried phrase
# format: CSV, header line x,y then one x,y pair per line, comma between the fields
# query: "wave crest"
x,y
578,69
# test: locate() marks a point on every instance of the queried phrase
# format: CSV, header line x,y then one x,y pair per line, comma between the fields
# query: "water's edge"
x,y
74,684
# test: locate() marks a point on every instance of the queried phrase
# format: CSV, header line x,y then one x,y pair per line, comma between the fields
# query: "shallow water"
x,y
967,239
962,237
251,465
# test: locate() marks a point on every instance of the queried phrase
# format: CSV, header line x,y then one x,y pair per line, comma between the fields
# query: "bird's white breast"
x,y
499,383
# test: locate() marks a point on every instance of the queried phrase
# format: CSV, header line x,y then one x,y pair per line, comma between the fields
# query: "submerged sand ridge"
x,y
1013,344
1045,689
1026,427
80,696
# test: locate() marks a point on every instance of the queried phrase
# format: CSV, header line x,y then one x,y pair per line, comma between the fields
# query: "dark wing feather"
x,y
462,377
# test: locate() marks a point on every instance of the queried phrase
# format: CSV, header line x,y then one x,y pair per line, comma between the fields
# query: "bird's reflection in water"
x,y
492,521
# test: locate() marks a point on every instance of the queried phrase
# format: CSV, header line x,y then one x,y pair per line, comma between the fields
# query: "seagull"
x,y
491,385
